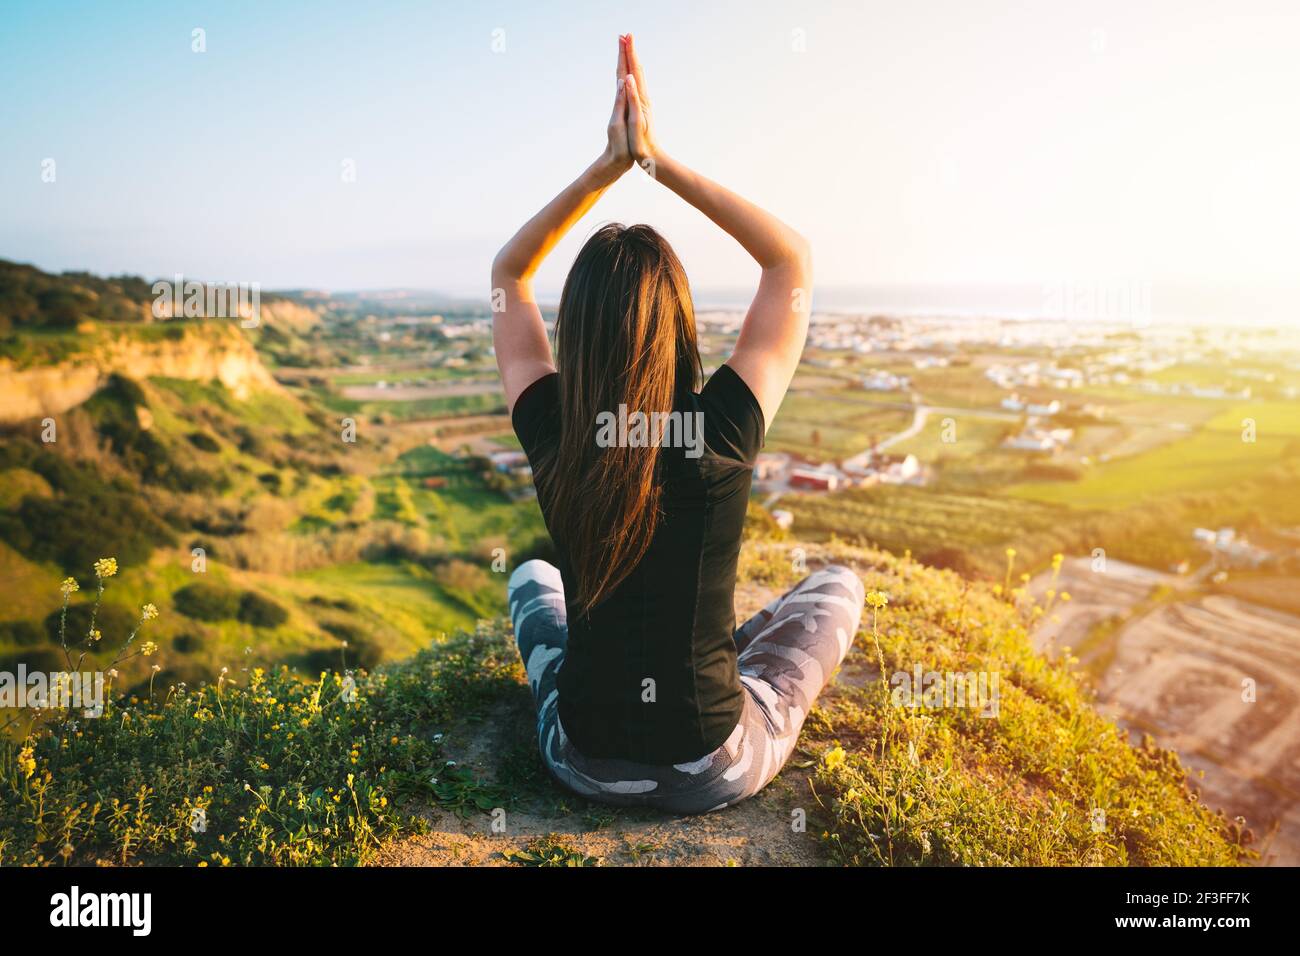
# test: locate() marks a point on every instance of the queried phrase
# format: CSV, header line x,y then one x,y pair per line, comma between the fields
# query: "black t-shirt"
x,y
671,620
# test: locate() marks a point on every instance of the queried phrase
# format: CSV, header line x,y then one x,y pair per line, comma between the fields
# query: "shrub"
x,y
75,529
363,655
203,441
261,611
185,643
22,633
207,602
344,632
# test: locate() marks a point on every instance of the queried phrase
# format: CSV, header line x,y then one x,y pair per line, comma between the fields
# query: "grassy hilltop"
x,y
291,770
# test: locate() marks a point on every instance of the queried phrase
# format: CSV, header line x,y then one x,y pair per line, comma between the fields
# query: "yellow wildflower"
x,y
69,586
834,757
148,612
27,762
105,567
148,647
877,599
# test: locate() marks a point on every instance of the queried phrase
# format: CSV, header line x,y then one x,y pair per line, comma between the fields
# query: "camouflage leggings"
x,y
786,653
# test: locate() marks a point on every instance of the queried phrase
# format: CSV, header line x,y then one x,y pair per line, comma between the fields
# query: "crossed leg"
x,y
786,653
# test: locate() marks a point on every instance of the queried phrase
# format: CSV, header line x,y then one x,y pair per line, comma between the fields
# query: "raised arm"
x,y
772,336
518,333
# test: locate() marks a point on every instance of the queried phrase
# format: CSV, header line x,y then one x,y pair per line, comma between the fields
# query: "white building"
x,y
1040,439
900,471
881,381
508,460
770,465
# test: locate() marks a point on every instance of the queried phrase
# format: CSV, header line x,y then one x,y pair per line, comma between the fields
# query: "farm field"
x,y
1213,457
820,429
1208,674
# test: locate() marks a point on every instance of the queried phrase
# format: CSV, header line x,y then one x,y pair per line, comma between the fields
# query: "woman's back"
x,y
650,672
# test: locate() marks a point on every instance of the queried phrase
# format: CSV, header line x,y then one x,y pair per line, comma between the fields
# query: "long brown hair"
x,y
625,335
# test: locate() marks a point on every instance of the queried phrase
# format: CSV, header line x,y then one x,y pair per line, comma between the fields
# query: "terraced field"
x,y
1208,675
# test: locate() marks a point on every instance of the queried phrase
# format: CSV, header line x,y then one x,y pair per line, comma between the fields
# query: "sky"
x,y
963,143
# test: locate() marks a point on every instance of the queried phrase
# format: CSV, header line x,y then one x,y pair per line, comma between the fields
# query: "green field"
x,y
1213,457
820,429
972,435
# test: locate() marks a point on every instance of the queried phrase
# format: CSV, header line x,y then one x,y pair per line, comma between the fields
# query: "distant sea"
x,y
1123,301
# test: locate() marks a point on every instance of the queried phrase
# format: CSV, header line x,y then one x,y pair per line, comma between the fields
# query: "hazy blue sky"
x,y
933,142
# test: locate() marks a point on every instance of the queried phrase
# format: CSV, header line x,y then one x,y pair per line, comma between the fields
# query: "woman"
x,y
645,692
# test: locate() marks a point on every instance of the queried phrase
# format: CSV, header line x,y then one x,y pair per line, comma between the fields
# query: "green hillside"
x,y
297,770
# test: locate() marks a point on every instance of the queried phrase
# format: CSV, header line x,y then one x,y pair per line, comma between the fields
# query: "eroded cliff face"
x,y
215,350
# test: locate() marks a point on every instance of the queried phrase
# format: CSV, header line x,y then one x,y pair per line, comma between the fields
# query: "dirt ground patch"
x,y
499,751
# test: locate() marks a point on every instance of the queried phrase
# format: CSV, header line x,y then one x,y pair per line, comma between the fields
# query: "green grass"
x,y
947,786
972,435
290,771
31,589
267,409
18,483
821,429
1213,457
551,851
405,597
464,512
284,771
922,520
419,409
